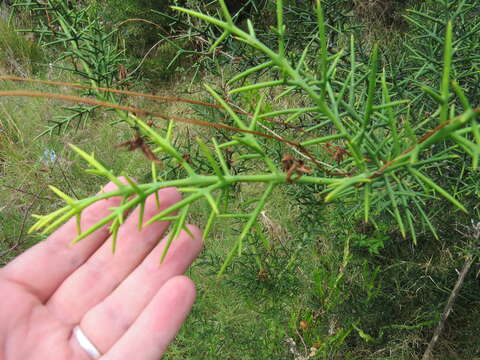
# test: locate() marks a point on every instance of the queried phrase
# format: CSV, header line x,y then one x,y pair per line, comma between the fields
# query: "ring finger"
x,y
106,323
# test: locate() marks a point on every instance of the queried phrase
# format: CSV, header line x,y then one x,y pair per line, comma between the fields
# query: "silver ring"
x,y
85,343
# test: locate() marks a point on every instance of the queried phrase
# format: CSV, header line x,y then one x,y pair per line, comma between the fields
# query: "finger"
x,y
108,321
104,270
46,265
158,324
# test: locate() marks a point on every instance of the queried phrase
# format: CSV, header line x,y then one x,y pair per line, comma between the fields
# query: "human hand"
x,y
126,303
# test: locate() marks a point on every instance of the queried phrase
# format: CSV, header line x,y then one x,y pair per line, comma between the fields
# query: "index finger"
x,y
45,266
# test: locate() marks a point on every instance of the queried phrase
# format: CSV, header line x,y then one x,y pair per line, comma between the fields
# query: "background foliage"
x,y
308,284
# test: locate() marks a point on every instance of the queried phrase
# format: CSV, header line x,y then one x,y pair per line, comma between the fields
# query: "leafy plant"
x,y
359,146
372,244
89,50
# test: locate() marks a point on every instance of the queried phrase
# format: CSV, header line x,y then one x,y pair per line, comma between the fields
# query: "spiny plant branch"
x,y
279,60
454,123
380,158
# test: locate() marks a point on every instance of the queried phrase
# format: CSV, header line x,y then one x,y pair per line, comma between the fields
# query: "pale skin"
x,y
128,304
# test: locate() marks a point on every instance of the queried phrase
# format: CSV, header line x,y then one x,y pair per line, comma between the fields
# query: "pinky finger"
x,y
157,325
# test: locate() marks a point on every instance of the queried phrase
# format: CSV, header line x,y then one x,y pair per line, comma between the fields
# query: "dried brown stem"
x,y
139,111
114,91
144,95
448,308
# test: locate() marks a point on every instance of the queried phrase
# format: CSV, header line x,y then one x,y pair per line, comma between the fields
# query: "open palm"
x,y
126,303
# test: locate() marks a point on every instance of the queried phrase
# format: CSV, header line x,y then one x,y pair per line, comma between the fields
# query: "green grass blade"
x,y
396,211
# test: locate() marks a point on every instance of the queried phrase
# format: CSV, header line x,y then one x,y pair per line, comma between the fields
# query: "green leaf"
x,y
372,81
177,227
261,85
433,94
246,229
222,37
225,12
69,200
363,334
208,154
366,201
447,68
323,43
429,182
341,185
396,210
250,71
92,162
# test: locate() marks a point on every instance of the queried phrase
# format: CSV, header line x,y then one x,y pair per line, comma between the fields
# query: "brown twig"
x,y
22,228
67,181
143,112
114,91
412,147
139,111
28,193
448,307
473,232
237,109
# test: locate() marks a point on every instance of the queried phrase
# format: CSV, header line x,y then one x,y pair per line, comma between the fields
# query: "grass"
x,y
20,55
